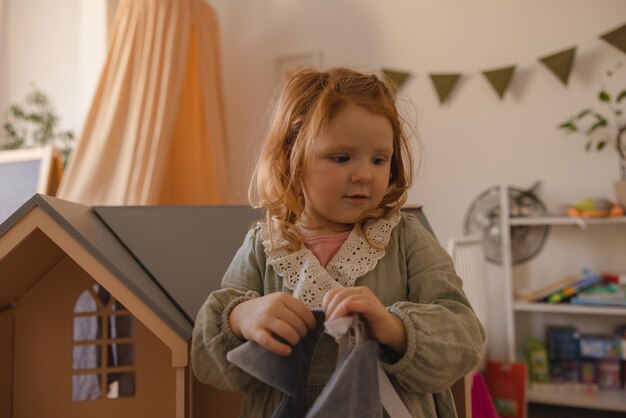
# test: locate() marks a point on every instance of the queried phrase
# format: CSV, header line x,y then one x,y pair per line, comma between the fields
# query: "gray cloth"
x,y
351,392
289,374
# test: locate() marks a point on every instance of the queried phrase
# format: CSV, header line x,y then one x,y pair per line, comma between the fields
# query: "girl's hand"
x,y
267,317
383,326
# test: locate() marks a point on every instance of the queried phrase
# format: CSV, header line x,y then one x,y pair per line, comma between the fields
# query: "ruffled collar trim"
x,y
303,274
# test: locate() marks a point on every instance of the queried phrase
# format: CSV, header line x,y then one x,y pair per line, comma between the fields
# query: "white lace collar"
x,y
304,275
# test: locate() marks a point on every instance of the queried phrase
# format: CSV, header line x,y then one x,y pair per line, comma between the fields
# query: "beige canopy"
x,y
155,130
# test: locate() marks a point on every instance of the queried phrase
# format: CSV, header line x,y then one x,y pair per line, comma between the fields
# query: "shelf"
x,y
568,395
566,220
569,309
538,315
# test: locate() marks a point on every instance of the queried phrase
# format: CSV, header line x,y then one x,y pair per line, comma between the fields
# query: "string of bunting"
x,y
559,63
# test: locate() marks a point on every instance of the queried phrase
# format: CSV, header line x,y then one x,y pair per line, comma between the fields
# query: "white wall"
x,y
60,46
473,141
470,143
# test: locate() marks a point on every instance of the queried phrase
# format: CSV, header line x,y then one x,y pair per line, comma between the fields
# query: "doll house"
x,y
86,329
97,307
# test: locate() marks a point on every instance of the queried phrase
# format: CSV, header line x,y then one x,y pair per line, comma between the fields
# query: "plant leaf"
x,y
621,96
18,112
32,122
569,126
604,96
600,145
599,124
583,114
588,146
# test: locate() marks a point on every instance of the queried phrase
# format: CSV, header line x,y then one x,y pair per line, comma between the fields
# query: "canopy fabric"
x,y
155,131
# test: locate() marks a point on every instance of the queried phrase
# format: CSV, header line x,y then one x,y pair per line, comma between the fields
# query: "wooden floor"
x,y
550,411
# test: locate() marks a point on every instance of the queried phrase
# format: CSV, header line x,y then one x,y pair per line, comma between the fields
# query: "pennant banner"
x,y
617,38
444,84
397,78
560,63
500,79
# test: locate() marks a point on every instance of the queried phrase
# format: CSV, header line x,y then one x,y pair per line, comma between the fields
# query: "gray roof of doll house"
x,y
171,257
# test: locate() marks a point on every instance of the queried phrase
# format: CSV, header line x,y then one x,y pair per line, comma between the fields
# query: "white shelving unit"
x,y
555,394
609,399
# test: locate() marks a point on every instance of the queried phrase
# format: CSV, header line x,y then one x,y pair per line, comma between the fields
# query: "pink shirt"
x,y
324,247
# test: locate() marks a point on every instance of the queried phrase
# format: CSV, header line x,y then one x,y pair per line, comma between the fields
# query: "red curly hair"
x,y
309,98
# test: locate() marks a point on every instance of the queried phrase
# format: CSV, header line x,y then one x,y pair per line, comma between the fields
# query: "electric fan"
x,y
483,219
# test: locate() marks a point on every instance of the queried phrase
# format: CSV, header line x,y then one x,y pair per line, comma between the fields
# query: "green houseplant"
x,y
604,129
34,123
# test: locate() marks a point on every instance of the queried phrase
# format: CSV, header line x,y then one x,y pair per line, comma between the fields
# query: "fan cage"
x,y
483,218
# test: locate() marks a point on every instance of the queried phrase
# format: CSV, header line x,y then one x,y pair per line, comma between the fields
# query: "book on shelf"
x,y
606,295
588,279
552,288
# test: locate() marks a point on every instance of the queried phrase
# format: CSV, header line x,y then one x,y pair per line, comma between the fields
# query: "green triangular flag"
x,y
444,83
500,79
397,78
560,63
617,38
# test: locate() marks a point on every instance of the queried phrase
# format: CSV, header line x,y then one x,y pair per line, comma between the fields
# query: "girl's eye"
x,y
379,160
340,158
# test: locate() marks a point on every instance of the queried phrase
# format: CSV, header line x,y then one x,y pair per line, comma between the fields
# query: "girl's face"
x,y
347,171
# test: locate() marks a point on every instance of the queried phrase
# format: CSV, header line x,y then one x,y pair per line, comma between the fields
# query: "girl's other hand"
x,y
267,317
383,326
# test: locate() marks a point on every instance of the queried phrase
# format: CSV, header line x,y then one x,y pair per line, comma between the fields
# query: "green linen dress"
x,y
406,268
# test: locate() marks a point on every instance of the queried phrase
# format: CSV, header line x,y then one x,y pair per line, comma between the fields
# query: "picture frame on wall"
x,y
287,63
26,171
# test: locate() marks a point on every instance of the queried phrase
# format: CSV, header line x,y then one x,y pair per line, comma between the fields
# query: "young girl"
x,y
332,176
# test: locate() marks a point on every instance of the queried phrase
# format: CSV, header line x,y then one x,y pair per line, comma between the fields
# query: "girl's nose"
x,y
362,174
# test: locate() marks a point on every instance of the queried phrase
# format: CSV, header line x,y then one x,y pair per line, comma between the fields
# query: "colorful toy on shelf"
x,y
588,371
600,347
609,374
594,208
537,356
563,343
618,278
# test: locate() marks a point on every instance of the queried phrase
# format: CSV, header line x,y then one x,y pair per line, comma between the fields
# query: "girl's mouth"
x,y
357,197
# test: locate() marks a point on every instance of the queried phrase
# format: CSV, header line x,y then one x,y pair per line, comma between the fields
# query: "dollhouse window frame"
x,y
103,347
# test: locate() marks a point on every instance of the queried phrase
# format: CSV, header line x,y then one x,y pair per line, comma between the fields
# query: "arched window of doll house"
x,y
103,357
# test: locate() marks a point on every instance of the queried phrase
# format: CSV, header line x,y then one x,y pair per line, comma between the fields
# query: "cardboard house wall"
x,y
156,264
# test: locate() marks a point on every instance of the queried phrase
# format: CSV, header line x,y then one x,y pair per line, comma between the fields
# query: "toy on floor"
x,y
594,208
